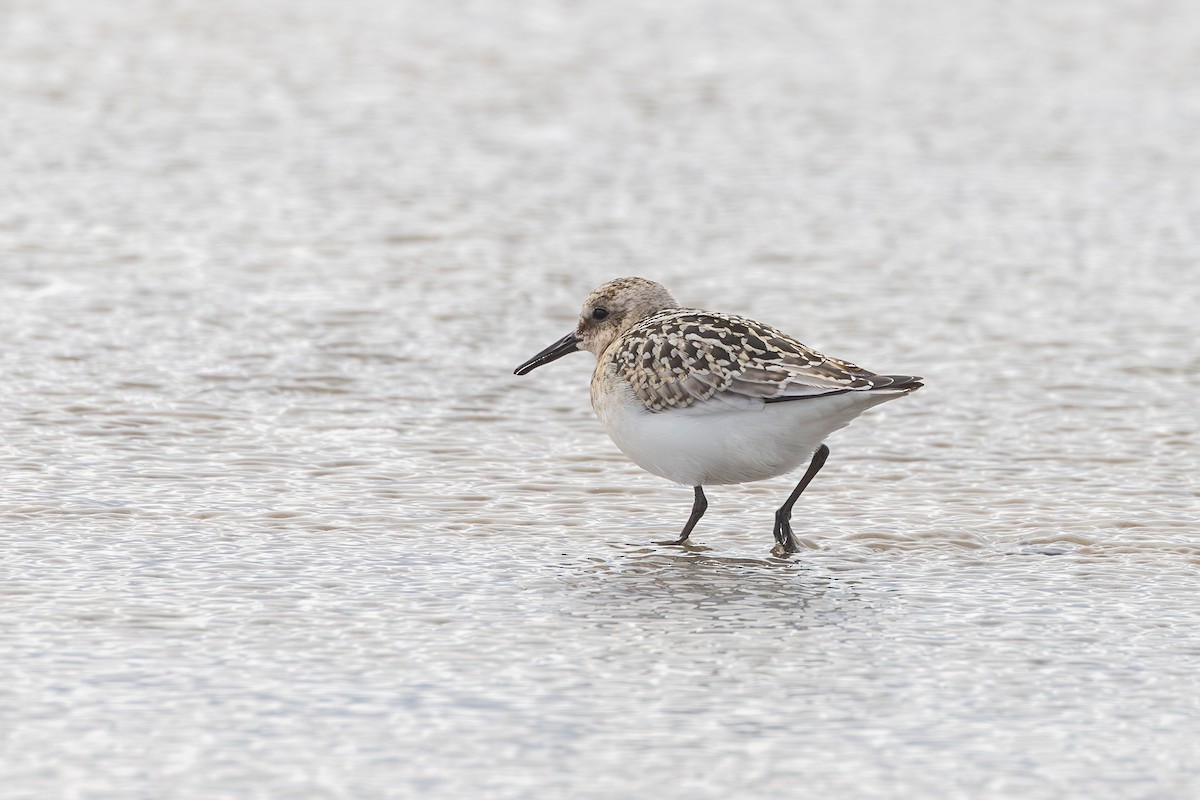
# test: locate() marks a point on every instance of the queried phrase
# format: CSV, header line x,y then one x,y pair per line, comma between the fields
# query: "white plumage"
x,y
725,442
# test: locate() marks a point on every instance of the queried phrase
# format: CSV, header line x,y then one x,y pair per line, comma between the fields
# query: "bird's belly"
x,y
706,446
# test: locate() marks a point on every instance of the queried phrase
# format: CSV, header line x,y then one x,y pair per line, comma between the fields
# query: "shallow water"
x,y
279,522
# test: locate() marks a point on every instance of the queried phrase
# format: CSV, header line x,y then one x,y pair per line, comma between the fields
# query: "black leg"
x,y
784,541
698,509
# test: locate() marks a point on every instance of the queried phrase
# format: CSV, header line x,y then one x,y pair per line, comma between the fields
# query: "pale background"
x,y
278,522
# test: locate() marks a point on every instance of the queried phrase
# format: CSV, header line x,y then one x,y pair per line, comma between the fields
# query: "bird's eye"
x,y
599,313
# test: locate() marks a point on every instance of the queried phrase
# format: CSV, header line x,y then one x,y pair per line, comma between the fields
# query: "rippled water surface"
x,y
278,521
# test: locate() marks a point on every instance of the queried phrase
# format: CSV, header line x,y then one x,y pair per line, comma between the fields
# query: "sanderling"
x,y
703,399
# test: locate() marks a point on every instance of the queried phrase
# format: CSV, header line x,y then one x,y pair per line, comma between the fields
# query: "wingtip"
x,y
909,383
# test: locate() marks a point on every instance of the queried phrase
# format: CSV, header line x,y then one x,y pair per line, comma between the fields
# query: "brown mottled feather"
x,y
678,357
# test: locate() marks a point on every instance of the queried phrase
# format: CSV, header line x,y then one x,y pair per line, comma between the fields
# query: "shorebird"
x,y
703,399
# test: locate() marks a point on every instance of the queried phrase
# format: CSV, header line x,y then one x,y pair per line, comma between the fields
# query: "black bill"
x,y
565,345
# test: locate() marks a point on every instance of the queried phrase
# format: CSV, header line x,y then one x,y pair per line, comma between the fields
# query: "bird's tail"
x,y
907,383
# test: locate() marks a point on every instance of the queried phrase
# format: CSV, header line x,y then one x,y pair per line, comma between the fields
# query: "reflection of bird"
x,y
702,398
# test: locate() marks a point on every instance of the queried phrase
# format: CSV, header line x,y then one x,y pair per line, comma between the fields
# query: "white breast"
x,y
724,440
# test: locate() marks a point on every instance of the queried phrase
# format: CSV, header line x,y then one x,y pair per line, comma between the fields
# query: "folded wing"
x,y
679,358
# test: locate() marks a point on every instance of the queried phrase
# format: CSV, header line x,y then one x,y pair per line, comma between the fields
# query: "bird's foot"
x,y
785,542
